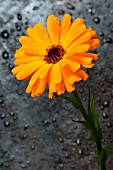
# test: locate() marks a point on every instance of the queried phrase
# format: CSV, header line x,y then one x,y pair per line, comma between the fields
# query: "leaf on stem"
x,y
94,117
70,100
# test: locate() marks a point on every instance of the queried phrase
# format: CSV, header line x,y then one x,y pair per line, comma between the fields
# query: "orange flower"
x,y
55,58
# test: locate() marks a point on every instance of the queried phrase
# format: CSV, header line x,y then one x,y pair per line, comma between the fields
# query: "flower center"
x,y
54,54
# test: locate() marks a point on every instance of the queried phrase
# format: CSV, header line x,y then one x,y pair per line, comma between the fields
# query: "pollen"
x,y
54,54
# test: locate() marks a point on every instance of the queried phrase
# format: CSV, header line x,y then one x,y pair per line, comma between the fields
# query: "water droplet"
x,y
26,126
73,166
32,147
80,151
96,20
11,66
84,99
103,90
11,157
2,105
19,16
111,29
90,10
7,124
106,103
23,166
34,136
60,139
109,125
104,115
35,8
54,119
69,6
101,33
66,155
81,90
11,113
5,34
20,92
18,28
5,55
15,117
46,122
61,12
98,99
1,101
3,115
78,141
109,40
1,164
86,61
24,136
1,95
61,165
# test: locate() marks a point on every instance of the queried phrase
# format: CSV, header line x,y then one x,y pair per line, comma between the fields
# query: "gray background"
x,y
38,133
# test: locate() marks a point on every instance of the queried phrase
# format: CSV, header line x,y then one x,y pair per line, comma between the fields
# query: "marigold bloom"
x,y
55,58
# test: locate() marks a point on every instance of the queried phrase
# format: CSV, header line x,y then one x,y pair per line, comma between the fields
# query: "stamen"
x,y
54,54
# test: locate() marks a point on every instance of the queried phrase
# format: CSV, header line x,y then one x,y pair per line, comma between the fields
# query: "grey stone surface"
x,y
38,133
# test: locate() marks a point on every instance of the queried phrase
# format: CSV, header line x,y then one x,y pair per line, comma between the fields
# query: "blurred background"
x,y
38,133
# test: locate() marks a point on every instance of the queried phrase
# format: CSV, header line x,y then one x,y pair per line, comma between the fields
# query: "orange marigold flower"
x,y
55,58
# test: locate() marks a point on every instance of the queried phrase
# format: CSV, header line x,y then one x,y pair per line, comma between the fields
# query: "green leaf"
x,y
94,118
103,156
108,149
70,100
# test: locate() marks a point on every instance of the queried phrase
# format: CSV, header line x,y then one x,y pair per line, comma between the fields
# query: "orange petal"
x,y
69,87
30,43
29,89
39,87
68,75
31,50
55,74
73,65
89,55
89,65
41,31
73,34
28,69
78,49
60,88
65,24
53,29
19,53
51,94
33,35
54,78
81,73
17,69
41,73
94,43
25,60
81,60
81,40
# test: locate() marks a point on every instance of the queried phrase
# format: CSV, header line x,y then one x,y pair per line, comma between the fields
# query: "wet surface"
x,y
38,133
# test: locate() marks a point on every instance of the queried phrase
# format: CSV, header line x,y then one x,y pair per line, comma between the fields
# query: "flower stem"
x,y
79,104
87,118
99,148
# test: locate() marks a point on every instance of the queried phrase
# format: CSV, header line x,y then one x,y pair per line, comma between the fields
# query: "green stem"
x,y
99,148
80,105
85,115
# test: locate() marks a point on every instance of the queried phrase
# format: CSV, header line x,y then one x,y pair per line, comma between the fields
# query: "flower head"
x,y
54,58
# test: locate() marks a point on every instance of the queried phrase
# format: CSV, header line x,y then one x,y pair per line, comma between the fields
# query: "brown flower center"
x,y
54,54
